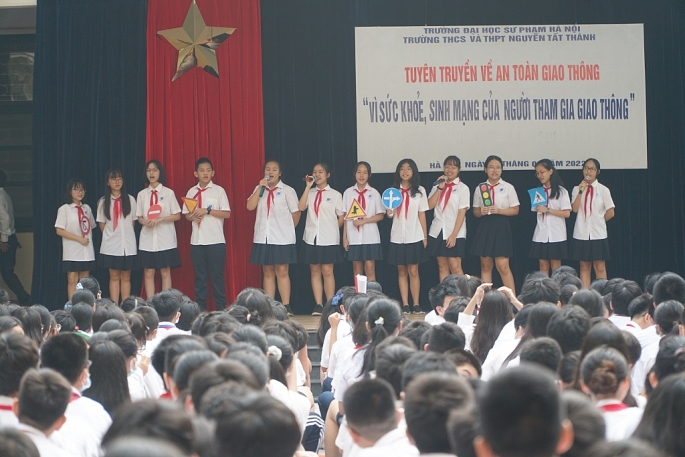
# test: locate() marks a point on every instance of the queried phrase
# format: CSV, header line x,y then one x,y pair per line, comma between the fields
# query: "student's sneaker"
x,y
289,310
406,310
318,309
417,310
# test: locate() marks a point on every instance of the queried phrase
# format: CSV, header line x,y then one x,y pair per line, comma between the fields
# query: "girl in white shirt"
x,y
594,205
273,245
74,224
157,209
409,234
321,247
450,198
361,238
115,216
549,238
494,201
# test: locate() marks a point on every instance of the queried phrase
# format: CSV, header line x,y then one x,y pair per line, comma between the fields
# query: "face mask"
x,y
87,384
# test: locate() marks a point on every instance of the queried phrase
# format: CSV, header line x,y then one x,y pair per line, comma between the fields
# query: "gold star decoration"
x,y
196,43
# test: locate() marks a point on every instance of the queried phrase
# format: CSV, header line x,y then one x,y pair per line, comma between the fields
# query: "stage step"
x,y
314,352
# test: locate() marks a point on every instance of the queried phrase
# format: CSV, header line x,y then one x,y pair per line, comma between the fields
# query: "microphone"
x,y
587,178
261,191
439,181
309,179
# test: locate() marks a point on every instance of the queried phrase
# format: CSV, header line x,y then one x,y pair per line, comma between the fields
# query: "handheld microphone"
x,y
308,178
587,178
439,181
261,191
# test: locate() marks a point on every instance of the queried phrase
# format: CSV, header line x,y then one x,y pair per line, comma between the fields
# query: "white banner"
x,y
562,92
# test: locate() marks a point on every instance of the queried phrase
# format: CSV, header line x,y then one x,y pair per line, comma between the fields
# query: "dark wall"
x,y
309,111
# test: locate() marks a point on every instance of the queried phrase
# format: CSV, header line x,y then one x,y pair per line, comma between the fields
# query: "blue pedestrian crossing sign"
x,y
392,198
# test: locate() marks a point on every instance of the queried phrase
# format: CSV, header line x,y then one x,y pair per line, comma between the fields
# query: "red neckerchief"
x,y
6,408
154,199
118,210
405,200
81,216
492,192
547,191
270,199
361,199
445,193
630,324
198,197
74,396
613,407
166,396
317,200
589,192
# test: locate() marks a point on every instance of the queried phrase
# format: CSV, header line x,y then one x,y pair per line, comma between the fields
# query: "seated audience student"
x,y
590,301
31,323
538,318
415,330
187,364
589,427
429,398
663,420
106,312
91,284
83,315
445,336
132,446
132,302
372,421
166,356
567,370
650,280
440,297
14,443
670,286
189,311
17,355
605,376
168,305
521,416
43,397
425,362
569,327
215,373
457,305
670,360
626,448
641,313
467,364
566,292
622,294
504,347
68,355
543,351
390,361
129,346
495,312
65,321
109,385
10,324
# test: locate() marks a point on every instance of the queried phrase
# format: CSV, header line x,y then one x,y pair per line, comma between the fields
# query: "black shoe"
x,y
406,310
318,309
418,310
289,311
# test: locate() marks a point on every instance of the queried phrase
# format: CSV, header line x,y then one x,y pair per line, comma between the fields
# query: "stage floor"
x,y
312,322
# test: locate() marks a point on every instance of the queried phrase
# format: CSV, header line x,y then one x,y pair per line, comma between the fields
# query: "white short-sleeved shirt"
x,y
444,219
592,226
406,226
46,448
504,195
552,229
7,416
367,233
276,226
433,318
68,219
77,437
295,402
161,237
90,411
211,229
348,372
342,331
122,241
323,230
466,324
620,424
338,352
394,443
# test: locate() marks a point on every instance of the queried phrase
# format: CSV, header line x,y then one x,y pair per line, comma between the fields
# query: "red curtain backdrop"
x,y
201,115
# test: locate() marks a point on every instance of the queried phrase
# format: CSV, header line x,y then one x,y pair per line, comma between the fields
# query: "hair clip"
x,y
276,352
79,286
380,321
247,317
335,301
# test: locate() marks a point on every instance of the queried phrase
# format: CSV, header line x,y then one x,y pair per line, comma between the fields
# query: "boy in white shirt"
x,y
207,242
17,354
440,297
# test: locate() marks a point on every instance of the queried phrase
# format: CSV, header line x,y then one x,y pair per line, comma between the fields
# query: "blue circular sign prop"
x,y
392,198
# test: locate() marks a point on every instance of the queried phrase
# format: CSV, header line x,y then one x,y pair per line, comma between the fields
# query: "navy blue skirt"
x,y
160,259
320,255
273,254
437,247
591,250
72,265
115,262
363,252
407,254
549,251
493,237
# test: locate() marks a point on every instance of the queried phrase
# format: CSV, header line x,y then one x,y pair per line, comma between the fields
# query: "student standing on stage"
x,y
118,249
157,210
592,201
450,198
74,224
274,240
409,236
321,233
9,245
549,238
207,242
493,239
361,238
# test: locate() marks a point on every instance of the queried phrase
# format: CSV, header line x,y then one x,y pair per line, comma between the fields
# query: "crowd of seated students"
x,y
556,371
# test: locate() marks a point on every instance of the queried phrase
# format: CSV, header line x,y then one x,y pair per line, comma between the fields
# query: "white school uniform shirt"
x,y
161,237
6,216
90,411
211,229
592,226
395,443
46,448
504,194
494,362
406,227
552,229
324,229
619,321
295,402
7,416
620,425
348,372
276,226
466,324
77,437
136,384
367,233
342,331
644,365
444,219
434,319
338,351
67,219
122,241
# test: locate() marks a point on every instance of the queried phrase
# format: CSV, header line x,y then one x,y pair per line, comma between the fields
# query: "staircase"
x,y
315,357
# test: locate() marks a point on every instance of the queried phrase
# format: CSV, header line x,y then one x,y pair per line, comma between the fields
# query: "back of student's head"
x,y
257,302
106,312
602,334
414,331
669,360
11,324
425,362
167,304
566,292
603,370
83,296
641,305
18,354
590,301
446,336
370,408
252,357
150,315
624,448
520,413
216,322
650,281
544,352
240,313
622,294
14,443
148,447
383,317
43,397
569,327
633,346
437,294
462,429
251,334
89,283
569,280
539,290
83,315
390,361
588,424
31,323
568,367
428,401
132,302
456,306
189,311
108,373
280,356
667,317
218,372
467,285
219,343
66,353
495,313
175,350
563,270
670,286
66,321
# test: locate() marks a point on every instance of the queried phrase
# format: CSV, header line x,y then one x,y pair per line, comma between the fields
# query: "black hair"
x,y
568,367
91,284
132,302
113,324
633,346
257,302
452,160
650,280
189,312
543,351
219,343
601,334
534,275
589,427
415,331
240,313
462,357
122,338
671,357
641,305
67,354
45,318
216,322
595,161
252,358
554,179
18,354
108,375
167,304
359,164
622,294
667,316
467,285
158,164
72,184
495,313
188,363
445,336
83,296
174,351
521,318
415,180
569,327
563,270
65,320
427,405
14,443
520,412
670,286
566,292
131,446
490,159
106,312
202,160
390,361
83,315
370,408
7,323
253,335
221,371
43,397
590,301
30,322
536,325
383,317
4,297
624,448
150,316
457,305
138,328
437,294
331,306
280,357
539,290
462,429
425,362
114,173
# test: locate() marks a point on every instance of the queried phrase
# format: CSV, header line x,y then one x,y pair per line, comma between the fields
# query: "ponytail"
x,y
383,317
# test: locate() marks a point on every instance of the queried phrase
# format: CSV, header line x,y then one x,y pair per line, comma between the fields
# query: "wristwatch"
x,y
547,210
209,209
